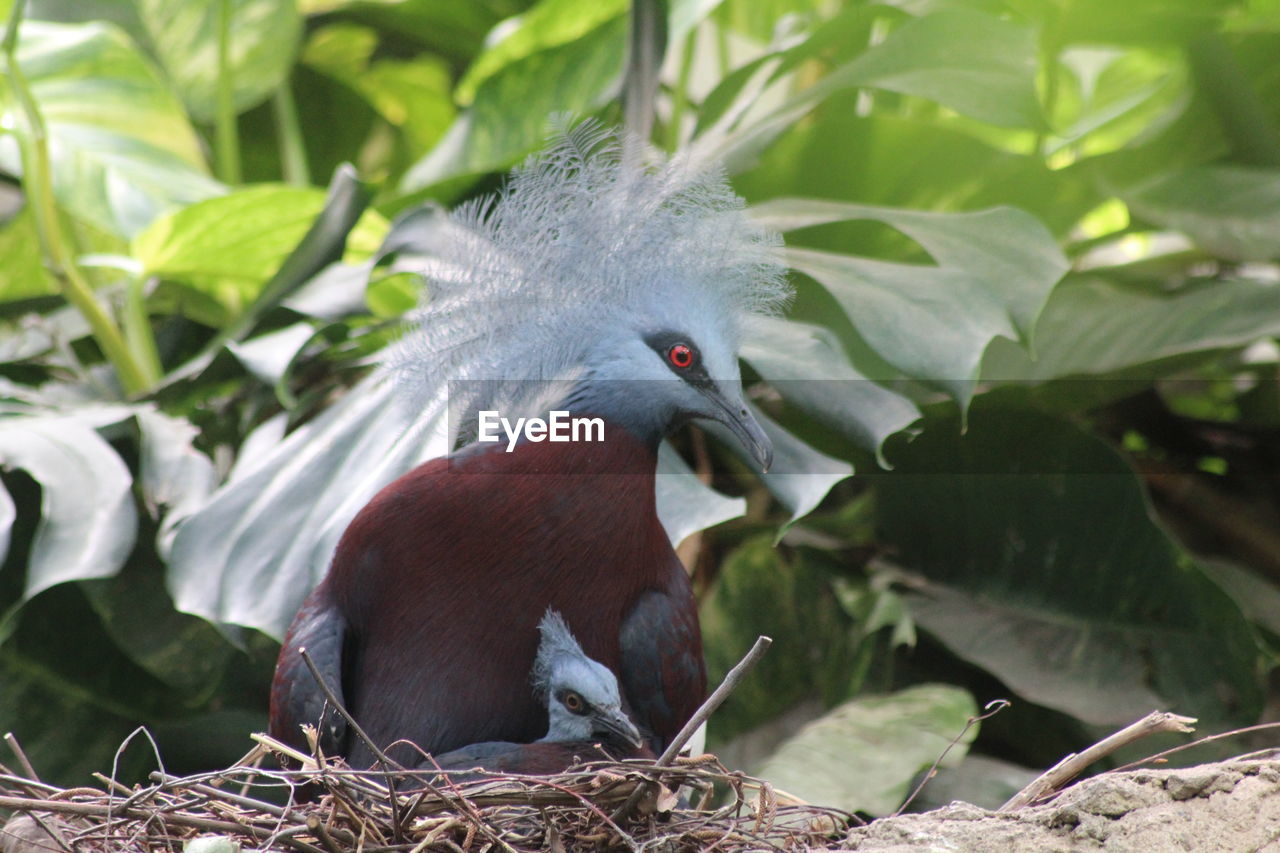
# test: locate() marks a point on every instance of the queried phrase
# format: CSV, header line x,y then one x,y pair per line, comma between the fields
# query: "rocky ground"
x,y
1213,808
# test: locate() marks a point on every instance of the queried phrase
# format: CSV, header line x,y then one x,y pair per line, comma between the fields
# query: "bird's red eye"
x,y
574,702
681,356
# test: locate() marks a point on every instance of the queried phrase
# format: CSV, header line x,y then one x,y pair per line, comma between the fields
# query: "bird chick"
x,y
584,710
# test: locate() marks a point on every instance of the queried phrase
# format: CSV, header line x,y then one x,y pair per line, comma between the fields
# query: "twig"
x,y
1071,766
1133,765
23,762
714,701
383,760
995,706
218,793
316,827
95,810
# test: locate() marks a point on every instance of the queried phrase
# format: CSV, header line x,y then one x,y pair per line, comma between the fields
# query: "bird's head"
x,y
583,701
618,279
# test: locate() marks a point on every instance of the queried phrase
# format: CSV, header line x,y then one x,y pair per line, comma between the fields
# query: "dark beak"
x,y
615,724
734,414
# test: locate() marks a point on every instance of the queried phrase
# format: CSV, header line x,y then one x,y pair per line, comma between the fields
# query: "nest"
x,y
601,805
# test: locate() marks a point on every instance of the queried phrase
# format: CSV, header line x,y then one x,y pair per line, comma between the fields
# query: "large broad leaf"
x,y
265,538
974,63
1094,326
1045,570
1227,210
508,117
122,148
224,250
546,25
806,364
263,42
410,94
866,754
685,504
994,271
88,521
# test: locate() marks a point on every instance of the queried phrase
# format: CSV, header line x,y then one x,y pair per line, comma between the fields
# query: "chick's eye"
x,y
574,702
681,355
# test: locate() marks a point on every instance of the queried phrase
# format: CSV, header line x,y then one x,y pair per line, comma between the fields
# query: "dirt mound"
x,y
1232,806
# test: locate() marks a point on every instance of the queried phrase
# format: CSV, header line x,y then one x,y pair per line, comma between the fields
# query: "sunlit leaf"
x,y
508,117
225,249
121,146
548,24
994,270
22,271
263,43
1228,210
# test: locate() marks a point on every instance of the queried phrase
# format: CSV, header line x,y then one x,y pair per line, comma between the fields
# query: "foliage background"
x,y
1025,402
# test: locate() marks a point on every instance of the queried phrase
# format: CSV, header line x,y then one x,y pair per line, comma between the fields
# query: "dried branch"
x,y
1074,764
700,716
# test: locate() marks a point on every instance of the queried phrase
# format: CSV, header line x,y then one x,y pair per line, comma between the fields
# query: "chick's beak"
x,y
730,410
617,723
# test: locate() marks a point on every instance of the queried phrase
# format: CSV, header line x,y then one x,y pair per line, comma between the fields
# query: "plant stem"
x,y
293,149
226,133
58,256
137,329
680,98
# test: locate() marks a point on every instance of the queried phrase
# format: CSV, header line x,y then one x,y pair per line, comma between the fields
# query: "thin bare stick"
x,y
316,827
25,764
995,706
700,716
1261,727
1071,766
218,794
385,762
715,700
332,699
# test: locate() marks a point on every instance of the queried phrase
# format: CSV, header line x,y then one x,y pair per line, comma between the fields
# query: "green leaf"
x,y
22,272
866,754
808,367
685,504
801,476
88,522
122,149
237,559
994,271
976,64
264,42
225,249
1045,569
508,117
409,94
1229,211
1093,326
547,24
445,27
